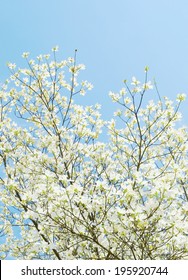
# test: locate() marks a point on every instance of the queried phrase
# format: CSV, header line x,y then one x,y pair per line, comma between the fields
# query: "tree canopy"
x,y
66,193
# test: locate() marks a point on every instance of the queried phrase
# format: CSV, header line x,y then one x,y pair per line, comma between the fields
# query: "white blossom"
x,y
73,194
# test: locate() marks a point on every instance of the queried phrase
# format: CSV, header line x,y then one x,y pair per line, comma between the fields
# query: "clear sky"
x,y
115,39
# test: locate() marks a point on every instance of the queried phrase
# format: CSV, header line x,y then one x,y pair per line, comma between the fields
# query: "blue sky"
x,y
115,40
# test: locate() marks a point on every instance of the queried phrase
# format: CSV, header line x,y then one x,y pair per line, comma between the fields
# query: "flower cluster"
x,y
79,197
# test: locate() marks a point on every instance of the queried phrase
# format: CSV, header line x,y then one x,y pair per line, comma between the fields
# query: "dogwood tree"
x,y
66,194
